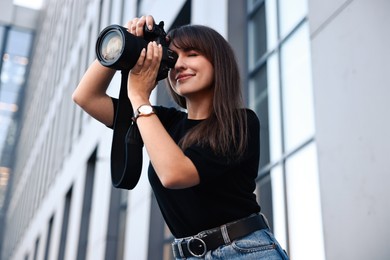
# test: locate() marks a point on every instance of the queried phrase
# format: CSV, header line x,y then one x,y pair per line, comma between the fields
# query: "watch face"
x,y
145,109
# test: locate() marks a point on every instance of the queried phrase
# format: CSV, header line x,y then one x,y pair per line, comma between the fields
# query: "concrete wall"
x,y
6,11
18,15
350,57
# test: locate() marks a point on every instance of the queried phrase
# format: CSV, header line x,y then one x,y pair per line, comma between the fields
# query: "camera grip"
x,y
157,33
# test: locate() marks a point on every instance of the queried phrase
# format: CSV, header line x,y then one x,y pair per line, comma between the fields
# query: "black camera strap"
x,y
126,149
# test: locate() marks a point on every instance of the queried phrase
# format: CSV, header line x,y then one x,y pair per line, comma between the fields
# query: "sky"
x,y
35,4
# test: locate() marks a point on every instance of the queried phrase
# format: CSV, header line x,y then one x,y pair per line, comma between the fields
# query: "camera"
x,y
118,49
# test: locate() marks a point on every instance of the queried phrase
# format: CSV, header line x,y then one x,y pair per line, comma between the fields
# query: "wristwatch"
x,y
143,110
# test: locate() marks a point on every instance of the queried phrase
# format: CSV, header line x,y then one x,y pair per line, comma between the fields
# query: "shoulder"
x,y
251,114
252,118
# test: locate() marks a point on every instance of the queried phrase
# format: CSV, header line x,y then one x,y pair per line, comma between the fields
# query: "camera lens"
x,y
111,46
118,49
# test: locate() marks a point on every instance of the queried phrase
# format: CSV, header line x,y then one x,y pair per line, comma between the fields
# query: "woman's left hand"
x,y
142,77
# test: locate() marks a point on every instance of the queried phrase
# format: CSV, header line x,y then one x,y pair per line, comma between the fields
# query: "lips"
x,y
183,76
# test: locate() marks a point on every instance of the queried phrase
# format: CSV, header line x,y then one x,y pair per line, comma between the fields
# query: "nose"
x,y
180,63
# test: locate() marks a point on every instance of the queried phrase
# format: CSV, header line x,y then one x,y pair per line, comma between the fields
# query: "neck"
x,y
199,108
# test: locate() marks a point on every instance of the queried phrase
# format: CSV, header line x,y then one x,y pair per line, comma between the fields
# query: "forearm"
x,y
174,169
94,82
90,93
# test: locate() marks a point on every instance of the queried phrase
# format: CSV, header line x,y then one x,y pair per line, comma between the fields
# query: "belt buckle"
x,y
197,247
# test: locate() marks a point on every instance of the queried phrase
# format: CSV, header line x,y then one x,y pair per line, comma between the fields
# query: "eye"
x,y
192,53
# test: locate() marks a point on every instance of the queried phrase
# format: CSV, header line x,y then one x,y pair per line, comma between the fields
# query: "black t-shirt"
x,y
226,189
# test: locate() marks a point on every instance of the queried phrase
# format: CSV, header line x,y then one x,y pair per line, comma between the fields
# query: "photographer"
x,y
203,162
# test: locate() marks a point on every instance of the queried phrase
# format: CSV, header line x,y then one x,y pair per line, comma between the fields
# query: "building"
x,y
17,25
314,72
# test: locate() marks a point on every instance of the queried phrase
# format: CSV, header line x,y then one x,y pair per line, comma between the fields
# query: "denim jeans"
x,y
259,245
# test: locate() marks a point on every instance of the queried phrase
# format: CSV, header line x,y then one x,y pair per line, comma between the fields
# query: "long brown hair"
x,y
225,129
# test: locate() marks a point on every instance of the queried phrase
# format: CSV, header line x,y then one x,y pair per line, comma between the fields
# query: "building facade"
x,y
315,74
17,27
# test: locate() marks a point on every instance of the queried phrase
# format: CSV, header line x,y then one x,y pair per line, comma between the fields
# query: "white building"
x,y
315,73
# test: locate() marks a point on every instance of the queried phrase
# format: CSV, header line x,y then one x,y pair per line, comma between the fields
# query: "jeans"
x,y
258,245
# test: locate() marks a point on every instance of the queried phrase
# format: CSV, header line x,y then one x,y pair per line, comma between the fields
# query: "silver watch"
x,y
143,110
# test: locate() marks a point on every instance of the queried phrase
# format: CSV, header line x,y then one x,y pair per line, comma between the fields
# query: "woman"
x,y
203,162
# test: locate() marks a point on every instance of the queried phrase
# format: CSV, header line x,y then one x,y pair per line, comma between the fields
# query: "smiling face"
x,y
206,65
193,74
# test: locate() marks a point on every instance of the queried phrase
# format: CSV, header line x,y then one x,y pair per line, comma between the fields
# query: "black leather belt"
x,y
198,245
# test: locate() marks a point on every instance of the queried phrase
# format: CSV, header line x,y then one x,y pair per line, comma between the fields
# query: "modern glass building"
x,y
16,39
315,74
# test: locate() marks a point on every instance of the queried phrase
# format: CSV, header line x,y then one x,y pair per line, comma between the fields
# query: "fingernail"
x,y
150,27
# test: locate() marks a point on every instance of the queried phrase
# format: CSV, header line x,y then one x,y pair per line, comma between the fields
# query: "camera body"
x,y
118,49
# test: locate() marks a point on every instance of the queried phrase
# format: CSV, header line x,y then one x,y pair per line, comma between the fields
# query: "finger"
x,y
149,56
140,63
133,26
155,57
139,31
160,52
128,25
149,22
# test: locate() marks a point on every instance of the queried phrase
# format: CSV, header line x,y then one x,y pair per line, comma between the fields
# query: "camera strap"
x,y
126,149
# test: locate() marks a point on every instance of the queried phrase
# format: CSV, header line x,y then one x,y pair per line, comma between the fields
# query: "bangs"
x,y
191,37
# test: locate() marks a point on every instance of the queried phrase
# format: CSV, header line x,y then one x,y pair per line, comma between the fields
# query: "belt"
x,y
198,245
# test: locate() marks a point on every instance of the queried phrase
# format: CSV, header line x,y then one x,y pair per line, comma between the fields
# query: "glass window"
x,y
258,100
253,3
65,225
297,89
275,128
2,30
49,238
257,36
271,23
122,224
291,13
116,230
167,250
10,99
85,218
279,205
16,44
36,248
304,210
264,197
19,43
